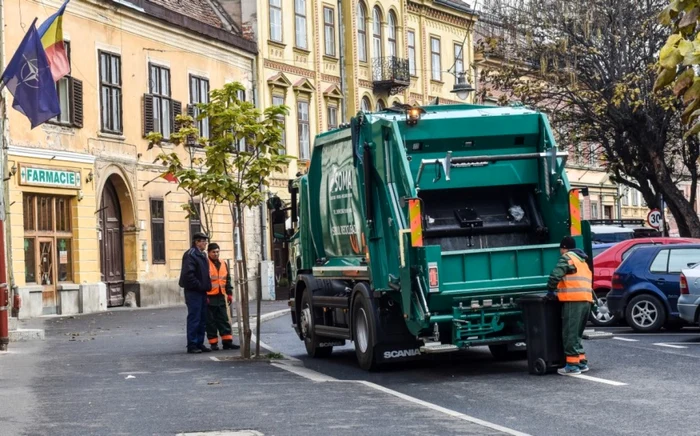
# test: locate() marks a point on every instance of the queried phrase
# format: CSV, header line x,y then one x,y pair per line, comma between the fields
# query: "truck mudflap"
x,y
398,352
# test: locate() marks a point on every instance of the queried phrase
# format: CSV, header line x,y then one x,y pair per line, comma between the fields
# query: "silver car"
x,y
689,300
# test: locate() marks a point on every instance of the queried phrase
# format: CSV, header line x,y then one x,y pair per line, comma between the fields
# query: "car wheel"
x,y
307,321
645,314
602,316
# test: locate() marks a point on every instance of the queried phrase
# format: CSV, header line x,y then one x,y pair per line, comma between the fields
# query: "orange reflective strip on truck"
x,y
575,212
414,217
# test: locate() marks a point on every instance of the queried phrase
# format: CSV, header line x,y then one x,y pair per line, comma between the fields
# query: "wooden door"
x,y
47,274
112,246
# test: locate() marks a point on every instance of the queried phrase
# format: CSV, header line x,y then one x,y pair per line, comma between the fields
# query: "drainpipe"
x,y
263,220
341,57
4,291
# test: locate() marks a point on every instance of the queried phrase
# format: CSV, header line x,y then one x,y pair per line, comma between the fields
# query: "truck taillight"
x,y
434,282
684,285
617,282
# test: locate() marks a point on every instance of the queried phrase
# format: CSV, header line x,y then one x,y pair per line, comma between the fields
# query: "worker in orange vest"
x,y
221,290
572,283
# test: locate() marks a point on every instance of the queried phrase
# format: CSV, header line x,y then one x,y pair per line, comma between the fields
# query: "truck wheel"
x,y
363,332
501,352
645,314
307,322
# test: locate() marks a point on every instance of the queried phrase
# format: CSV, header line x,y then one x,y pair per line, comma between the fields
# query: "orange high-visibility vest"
x,y
579,285
218,278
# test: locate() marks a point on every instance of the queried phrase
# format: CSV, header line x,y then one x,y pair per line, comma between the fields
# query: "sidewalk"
x,y
126,372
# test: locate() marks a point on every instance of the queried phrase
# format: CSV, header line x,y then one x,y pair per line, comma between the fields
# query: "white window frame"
x,y
275,13
300,28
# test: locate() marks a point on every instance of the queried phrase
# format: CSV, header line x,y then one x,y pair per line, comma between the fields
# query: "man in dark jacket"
x,y
194,278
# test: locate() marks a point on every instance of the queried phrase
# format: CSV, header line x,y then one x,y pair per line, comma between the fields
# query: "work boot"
x,y
204,349
229,345
193,350
569,370
214,347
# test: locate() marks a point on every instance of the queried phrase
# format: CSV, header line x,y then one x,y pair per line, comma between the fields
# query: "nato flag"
x,y
28,77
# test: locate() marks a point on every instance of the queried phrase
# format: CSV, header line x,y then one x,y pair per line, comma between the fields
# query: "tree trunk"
x,y
686,218
247,333
258,304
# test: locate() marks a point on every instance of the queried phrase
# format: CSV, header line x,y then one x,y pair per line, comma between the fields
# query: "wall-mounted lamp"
x,y
89,177
80,196
11,173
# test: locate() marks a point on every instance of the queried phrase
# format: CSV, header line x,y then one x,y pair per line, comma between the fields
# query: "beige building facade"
x,y
89,217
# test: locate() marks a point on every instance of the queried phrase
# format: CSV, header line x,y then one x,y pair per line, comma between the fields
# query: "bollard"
x,y
4,320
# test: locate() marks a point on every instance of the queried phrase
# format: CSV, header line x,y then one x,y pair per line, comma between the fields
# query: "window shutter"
x,y
148,123
190,111
76,102
176,110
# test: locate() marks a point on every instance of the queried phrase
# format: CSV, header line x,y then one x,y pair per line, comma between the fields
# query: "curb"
x,y
23,335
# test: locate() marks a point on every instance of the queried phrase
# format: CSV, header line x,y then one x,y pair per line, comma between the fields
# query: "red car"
x,y
605,264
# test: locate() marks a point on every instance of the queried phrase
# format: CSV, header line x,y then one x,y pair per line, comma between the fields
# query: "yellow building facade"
x,y
90,220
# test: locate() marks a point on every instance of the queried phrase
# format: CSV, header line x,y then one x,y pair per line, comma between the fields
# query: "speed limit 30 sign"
x,y
654,218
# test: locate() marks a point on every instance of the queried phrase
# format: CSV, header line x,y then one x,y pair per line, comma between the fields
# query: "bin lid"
x,y
532,298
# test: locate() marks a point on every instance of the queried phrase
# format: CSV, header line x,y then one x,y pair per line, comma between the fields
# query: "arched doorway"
x,y
111,245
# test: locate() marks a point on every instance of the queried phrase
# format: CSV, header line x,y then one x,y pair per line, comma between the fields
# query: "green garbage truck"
x,y
416,229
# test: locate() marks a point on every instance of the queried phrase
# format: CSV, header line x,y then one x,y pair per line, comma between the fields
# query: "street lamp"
x,y
462,87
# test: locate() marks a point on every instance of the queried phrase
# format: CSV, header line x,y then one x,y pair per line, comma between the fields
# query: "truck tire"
x,y
363,332
306,324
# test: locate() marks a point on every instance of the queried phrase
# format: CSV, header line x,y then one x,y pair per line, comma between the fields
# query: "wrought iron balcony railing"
x,y
390,74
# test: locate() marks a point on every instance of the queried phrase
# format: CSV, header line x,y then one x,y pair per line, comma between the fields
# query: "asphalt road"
x,y
638,384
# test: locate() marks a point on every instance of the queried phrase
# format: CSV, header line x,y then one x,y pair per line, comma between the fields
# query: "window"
x,y
635,198
680,259
436,68
159,87
304,131
111,92
459,58
158,230
626,197
380,105
195,218
377,32
329,26
361,32
627,253
278,100
392,34
365,105
276,20
47,239
594,210
199,93
332,117
660,263
70,97
240,95
412,52
300,23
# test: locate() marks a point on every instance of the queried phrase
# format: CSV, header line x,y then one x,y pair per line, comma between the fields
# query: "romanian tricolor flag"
x,y
51,34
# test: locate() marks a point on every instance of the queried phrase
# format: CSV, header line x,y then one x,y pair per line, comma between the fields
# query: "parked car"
x,y
646,286
636,224
600,248
608,234
689,301
605,264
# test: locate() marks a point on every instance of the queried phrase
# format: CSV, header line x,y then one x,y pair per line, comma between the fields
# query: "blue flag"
x,y
28,77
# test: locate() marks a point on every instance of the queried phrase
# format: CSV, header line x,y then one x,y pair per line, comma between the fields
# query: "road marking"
x,y
215,359
304,372
625,339
134,372
599,380
670,346
657,334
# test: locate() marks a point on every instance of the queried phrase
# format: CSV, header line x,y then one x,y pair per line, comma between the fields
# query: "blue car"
x,y
646,286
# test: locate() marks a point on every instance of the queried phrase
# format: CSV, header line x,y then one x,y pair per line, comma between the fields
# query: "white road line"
x,y
670,346
215,359
599,380
658,334
134,372
304,372
625,339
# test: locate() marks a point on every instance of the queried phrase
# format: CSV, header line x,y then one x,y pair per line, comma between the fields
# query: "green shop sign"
x,y
49,177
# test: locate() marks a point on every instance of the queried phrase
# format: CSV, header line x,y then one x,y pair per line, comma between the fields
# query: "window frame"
x,y
195,205
161,222
332,120
392,43
283,118
276,8
366,99
159,98
435,69
300,124
412,68
303,27
118,130
329,32
459,57
362,49
377,24
202,125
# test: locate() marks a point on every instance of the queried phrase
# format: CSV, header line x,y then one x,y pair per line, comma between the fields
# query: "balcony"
x,y
390,74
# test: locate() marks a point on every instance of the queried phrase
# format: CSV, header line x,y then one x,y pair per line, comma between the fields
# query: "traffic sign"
x,y
654,218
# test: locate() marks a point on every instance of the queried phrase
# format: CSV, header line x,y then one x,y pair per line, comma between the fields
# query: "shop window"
x,y
47,239
158,230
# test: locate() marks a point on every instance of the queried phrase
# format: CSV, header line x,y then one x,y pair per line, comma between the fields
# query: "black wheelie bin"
x,y
542,316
